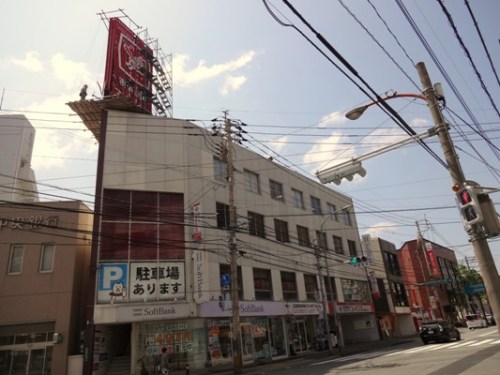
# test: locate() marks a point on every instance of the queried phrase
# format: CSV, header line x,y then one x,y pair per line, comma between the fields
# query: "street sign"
x,y
474,288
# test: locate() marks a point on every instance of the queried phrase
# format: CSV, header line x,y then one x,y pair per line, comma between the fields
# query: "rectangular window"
x,y
321,239
225,282
16,259
289,286
220,170
303,236
276,190
298,199
47,257
332,211
262,284
311,285
315,205
252,181
337,245
352,248
347,216
392,264
222,215
330,292
400,296
281,230
256,224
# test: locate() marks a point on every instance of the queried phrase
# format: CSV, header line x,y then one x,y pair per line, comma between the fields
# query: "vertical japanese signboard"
x,y
128,66
433,261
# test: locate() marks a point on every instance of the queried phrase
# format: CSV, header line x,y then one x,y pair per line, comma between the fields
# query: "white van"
x,y
475,321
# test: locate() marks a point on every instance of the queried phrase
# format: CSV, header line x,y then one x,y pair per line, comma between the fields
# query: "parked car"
x,y
475,321
439,331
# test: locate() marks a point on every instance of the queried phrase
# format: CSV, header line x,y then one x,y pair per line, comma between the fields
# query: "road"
x,y
477,353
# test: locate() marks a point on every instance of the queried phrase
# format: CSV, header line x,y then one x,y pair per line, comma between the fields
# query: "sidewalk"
x,y
262,367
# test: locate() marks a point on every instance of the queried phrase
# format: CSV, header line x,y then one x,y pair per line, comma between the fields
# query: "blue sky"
x,y
232,55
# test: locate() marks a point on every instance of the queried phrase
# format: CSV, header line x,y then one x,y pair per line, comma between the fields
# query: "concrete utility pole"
x,y
476,236
235,305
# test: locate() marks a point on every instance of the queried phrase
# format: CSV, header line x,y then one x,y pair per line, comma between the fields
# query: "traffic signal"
x,y
359,261
468,204
336,174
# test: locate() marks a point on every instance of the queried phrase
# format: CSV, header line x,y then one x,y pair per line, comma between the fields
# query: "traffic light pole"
x,y
479,242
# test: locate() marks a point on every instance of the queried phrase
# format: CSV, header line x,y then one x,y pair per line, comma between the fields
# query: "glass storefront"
x,y
184,341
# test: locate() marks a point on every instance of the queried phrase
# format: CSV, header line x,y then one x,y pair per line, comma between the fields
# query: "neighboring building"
x,y
17,179
163,260
44,253
389,292
430,273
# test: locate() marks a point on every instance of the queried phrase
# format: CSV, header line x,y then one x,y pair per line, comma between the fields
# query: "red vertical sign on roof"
x,y
128,66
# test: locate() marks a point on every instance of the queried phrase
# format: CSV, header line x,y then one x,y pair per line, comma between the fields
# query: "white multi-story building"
x,y
17,179
163,261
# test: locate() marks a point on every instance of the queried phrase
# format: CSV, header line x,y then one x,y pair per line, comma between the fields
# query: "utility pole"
x,y
235,305
476,236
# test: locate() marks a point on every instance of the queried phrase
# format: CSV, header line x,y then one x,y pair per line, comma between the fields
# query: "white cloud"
x,y
232,83
72,74
203,72
332,119
278,144
30,62
381,229
331,148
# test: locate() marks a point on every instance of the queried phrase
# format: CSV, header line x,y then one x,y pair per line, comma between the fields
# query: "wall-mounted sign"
x,y
28,223
200,275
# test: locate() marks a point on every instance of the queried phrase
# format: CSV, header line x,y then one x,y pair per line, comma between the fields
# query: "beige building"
x,y
44,253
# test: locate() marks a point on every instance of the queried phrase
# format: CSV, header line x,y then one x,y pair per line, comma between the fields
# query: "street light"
x,y
325,296
357,112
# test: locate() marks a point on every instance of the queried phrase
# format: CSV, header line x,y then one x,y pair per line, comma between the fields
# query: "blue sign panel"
x,y
474,288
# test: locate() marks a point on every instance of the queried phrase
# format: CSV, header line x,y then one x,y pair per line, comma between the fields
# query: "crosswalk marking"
x,y
482,342
488,333
495,342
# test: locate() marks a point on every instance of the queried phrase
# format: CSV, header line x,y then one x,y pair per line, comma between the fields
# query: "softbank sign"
x,y
214,309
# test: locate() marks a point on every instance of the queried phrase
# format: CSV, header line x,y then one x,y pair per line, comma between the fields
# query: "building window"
x,y
337,245
47,257
347,216
16,259
281,230
252,181
392,264
316,205
399,292
303,236
332,211
289,286
262,284
331,294
352,248
225,282
311,285
220,170
298,199
222,215
276,190
256,224
321,238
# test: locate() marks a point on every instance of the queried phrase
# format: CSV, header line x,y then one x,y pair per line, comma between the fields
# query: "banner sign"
x,y
200,275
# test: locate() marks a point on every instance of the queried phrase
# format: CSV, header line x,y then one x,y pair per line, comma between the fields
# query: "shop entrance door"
x,y
300,337
24,362
247,343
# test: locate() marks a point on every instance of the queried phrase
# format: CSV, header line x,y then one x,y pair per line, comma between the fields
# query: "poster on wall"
x,y
112,283
153,281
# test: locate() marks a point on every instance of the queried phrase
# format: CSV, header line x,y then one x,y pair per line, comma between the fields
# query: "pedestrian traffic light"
x,y
359,261
468,205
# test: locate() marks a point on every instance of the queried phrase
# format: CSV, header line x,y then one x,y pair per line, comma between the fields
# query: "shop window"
x,y
16,259
256,224
222,215
47,253
289,286
262,284
311,286
303,236
298,199
281,230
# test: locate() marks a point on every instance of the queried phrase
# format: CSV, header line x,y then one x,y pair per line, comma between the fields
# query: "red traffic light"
x,y
464,197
